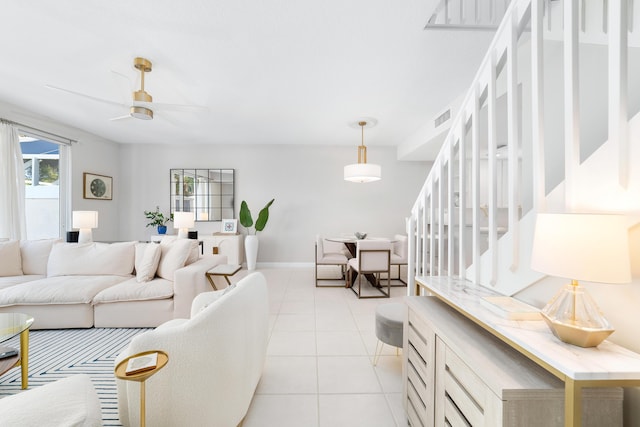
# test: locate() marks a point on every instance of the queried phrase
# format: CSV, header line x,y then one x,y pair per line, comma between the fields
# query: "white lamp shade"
x,y
85,219
590,247
183,219
362,172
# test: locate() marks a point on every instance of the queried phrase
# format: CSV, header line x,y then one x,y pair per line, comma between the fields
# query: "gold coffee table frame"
x,y
120,372
12,324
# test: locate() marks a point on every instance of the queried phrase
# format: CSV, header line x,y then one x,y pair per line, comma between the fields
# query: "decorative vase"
x,y
251,243
162,229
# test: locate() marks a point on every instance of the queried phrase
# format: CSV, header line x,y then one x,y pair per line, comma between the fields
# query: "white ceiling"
x,y
269,72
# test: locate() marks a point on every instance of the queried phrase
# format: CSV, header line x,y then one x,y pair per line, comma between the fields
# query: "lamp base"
x,y
85,236
574,317
576,335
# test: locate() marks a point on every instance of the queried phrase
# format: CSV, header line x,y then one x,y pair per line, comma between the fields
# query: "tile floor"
x,y
319,371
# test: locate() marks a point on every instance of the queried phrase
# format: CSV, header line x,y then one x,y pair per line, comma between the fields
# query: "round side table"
x,y
141,377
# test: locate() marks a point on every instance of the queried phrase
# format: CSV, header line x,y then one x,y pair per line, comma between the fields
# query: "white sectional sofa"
x,y
125,284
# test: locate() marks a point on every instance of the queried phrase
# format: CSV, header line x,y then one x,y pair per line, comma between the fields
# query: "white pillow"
x,y
35,254
147,260
10,259
88,259
194,253
174,256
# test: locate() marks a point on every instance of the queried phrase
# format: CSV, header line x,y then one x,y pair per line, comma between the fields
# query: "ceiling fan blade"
x,y
113,119
83,95
124,85
178,107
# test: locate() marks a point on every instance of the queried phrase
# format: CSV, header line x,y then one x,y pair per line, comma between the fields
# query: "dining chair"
x,y
333,256
373,257
400,256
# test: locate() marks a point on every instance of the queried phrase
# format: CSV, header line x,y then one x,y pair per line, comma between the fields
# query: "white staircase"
x,y
544,126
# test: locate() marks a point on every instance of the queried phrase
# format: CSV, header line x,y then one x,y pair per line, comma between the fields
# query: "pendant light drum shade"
x,y
362,172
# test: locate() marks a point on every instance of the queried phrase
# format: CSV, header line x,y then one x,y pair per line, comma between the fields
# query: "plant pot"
x,y
251,243
162,229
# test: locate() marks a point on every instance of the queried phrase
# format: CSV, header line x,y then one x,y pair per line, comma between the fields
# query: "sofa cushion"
x,y
7,281
10,259
147,260
133,290
175,253
58,290
35,255
91,259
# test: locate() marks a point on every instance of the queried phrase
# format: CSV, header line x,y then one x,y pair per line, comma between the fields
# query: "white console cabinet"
x,y
456,373
230,245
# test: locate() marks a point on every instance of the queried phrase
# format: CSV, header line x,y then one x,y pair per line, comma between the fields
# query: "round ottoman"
x,y
389,325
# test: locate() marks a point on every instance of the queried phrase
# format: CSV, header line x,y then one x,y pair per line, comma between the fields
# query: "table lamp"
x,y
590,247
85,221
183,221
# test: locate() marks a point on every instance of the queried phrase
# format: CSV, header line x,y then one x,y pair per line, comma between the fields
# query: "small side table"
x,y
120,372
224,270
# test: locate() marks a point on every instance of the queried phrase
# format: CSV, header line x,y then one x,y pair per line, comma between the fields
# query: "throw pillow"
x,y
87,259
194,253
174,255
35,255
10,259
147,260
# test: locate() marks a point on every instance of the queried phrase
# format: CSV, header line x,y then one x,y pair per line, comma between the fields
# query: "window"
x,y
43,175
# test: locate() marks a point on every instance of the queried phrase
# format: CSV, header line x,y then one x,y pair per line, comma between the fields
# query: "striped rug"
x,y
55,354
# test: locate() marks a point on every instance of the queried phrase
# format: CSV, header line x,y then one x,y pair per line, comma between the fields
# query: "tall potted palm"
x,y
251,242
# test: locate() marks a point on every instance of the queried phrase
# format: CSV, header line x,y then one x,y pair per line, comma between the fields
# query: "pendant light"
x,y
362,171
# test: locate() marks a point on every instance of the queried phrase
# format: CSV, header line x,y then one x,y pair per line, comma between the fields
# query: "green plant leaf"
x,y
245,215
263,217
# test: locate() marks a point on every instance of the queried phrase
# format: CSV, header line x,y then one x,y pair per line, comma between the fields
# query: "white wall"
x,y
306,181
99,156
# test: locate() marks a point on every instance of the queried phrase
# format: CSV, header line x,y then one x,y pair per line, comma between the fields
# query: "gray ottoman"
x,y
389,325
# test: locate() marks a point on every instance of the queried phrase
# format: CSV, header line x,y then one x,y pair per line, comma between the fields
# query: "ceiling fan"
x,y
142,102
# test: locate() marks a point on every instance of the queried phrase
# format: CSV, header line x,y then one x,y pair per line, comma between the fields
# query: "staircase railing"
x,y
519,142
467,15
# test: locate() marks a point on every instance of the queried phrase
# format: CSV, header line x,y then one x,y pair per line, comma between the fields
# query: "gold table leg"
x,y
572,403
24,358
142,405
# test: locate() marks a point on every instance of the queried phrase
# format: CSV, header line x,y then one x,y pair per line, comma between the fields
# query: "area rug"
x,y
56,354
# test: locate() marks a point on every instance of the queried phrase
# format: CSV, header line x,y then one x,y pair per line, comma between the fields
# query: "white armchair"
x,y
329,253
372,258
215,360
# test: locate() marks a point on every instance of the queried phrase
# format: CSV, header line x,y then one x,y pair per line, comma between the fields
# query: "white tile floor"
x,y
318,371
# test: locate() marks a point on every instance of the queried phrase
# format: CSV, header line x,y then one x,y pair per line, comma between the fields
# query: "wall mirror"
x,y
209,193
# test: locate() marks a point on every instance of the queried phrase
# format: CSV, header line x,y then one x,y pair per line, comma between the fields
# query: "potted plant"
x,y
157,219
251,241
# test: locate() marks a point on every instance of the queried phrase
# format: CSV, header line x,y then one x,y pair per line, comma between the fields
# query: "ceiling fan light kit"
x,y
141,113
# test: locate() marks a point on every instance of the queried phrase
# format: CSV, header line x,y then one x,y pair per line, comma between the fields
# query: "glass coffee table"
x,y
11,325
